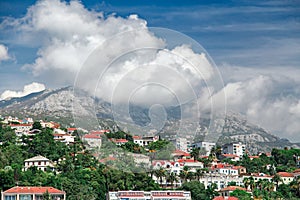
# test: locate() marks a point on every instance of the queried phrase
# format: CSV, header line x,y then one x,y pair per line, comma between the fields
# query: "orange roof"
x,y
71,129
178,152
238,167
230,155
20,125
121,140
285,174
228,198
253,156
297,171
137,137
232,188
186,160
100,132
33,190
92,136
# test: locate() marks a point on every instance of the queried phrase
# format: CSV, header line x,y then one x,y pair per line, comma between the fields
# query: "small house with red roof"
x,y
92,140
144,140
179,154
225,192
21,129
226,169
32,193
71,130
119,142
286,178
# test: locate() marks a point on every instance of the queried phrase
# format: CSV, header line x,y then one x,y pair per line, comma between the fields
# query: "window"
x,y
25,197
10,197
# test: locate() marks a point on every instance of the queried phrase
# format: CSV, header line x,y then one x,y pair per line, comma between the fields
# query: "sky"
x,y
254,44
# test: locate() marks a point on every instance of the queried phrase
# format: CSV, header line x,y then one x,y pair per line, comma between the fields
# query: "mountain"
x,y
61,104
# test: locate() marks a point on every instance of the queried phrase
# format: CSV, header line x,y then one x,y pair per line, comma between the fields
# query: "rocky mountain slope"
x,y
59,105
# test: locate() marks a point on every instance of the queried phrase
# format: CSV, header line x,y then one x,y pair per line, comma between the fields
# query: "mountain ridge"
x,y
58,105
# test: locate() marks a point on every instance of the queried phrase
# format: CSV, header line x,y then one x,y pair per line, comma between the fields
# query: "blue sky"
x,y
253,43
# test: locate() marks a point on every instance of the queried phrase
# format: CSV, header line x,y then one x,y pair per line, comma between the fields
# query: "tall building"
x,y
207,146
180,143
238,149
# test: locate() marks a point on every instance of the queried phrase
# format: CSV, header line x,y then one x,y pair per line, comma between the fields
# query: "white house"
x,y
32,193
221,180
144,140
205,145
40,162
21,129
65,138
238,149
93,140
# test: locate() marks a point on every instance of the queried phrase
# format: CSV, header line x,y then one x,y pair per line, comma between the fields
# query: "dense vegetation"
x,y
81,175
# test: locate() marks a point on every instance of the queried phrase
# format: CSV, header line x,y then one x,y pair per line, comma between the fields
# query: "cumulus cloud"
x,y
3,53
271,101
121,60
28,89
73,40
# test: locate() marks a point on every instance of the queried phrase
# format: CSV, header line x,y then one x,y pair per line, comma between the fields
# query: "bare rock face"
x,y
59,105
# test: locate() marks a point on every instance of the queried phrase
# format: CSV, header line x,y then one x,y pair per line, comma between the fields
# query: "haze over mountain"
x,y
58,105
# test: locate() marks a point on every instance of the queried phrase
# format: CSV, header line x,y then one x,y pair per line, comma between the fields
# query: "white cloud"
x,y
73,39
68,34
3,53
270,101
28,89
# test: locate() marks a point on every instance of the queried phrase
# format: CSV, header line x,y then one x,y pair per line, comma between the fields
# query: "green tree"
x,y
197,189
241,194
195,153
37,125
46,196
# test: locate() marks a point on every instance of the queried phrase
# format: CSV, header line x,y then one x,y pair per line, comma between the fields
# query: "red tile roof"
x,y
92,136
228,198
230,155
14,125
178,152
33,190
253,156
121,141
71,129
285,174
100,132
187,160
232,188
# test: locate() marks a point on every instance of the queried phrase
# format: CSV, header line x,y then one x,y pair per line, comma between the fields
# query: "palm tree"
x,y
296,185
171,178
195,153
183,174
190,176
199,173
246,182
160,173
252,183
276,179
